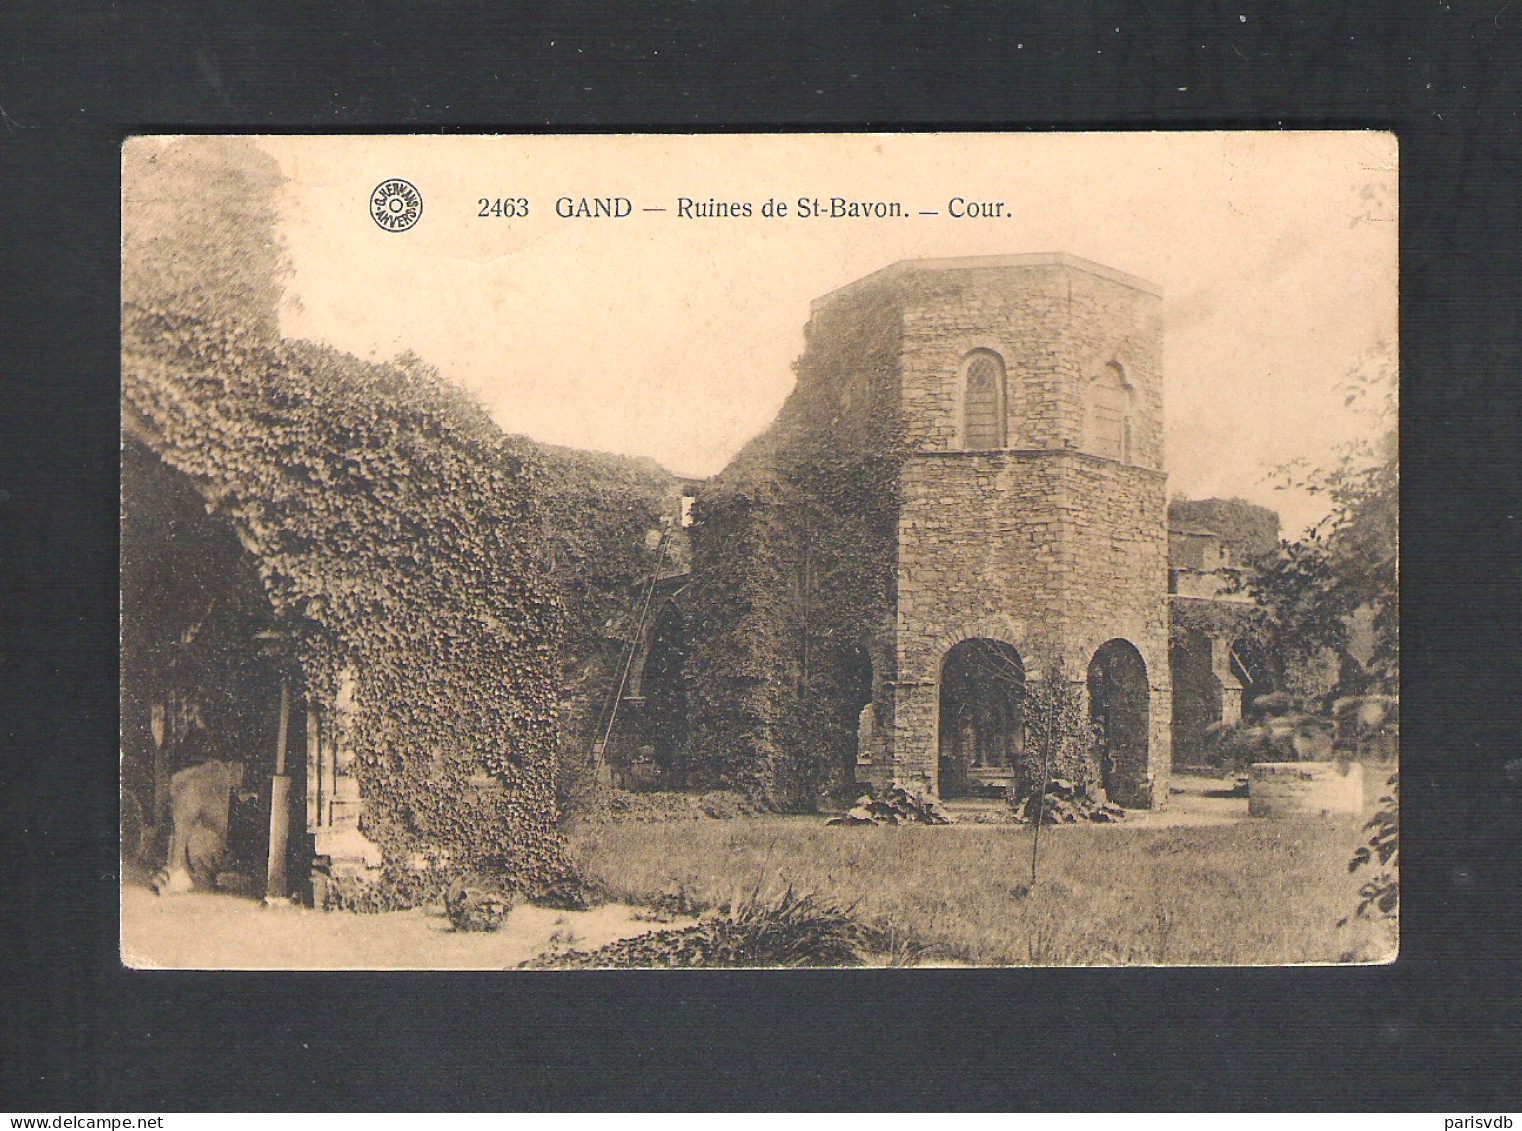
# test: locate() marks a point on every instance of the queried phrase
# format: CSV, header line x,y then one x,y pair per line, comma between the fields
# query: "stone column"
x,y
277,891
348,852
1159,744
915,753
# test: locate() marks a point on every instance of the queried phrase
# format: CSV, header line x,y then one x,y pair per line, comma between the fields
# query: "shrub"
x,y
1061,738
792,930
475,903
1368,724
1275,732
895,806
1381,893
1065,803
571,892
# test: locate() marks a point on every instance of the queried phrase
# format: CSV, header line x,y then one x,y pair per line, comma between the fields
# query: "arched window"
x,y
984,403
1109,426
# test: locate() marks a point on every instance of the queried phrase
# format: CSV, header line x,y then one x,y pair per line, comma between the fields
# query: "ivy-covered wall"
x,y
395,531
604,517
793,572
1246,529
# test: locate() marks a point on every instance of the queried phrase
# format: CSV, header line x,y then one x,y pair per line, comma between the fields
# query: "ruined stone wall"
x,y
857,520
1114,558
1033,548
978,541
1041,545
793,571
1116,542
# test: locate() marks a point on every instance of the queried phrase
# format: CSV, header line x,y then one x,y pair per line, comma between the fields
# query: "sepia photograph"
x,y
759,551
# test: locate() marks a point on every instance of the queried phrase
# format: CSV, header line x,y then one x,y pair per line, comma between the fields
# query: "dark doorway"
x,y
664,685
982,722
854,694
1119,699
202,665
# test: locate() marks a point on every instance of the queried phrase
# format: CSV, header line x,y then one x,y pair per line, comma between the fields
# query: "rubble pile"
x,y
896,806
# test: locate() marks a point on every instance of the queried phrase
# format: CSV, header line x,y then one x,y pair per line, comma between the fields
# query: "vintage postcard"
x,y
546,552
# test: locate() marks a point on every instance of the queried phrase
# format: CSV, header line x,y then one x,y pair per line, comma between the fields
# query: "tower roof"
x,y
986,262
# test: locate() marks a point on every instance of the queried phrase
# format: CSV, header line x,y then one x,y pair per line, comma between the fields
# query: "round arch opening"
x,y
982,720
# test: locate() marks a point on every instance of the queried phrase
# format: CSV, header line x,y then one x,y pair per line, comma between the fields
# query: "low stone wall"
x,y
1292,789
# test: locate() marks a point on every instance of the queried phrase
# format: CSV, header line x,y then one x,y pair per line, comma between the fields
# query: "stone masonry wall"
x,y
1055,324
1040,544
1116,545
1035,549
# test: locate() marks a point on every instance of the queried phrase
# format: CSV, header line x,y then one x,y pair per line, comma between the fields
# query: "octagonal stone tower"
x,y
1027,391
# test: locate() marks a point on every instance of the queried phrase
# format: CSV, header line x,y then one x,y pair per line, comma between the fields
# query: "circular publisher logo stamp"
x,y
396,204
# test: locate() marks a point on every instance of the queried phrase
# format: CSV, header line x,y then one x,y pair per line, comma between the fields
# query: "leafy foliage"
x,y
1061,738
894,806
1064,803
1381,893
391,521
1060,746
1246,529
1220,619
791,930
1290,736
600,511
603,514
1316,591
1368,725
473,905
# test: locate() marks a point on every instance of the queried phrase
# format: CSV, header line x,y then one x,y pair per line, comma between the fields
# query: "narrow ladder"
x,y
626,663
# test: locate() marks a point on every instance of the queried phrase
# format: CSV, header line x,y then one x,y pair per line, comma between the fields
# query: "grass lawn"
x,y
1254,892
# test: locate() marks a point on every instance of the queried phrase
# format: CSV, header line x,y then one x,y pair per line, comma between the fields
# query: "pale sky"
x,y
674,338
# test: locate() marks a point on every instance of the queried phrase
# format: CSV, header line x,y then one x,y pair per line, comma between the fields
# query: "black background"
x,y
1436,1031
